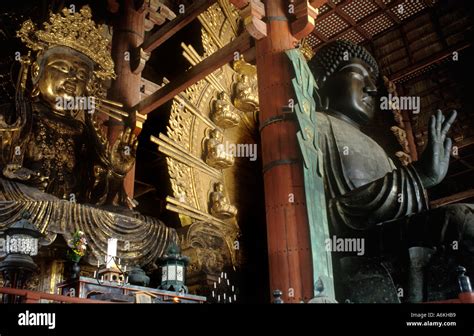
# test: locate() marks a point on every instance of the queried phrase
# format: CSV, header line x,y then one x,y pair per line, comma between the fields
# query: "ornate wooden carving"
x,y
252,13
305,19
138,59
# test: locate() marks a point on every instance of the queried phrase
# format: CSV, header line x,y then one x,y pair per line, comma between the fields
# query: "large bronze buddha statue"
x,y
367,196
55,161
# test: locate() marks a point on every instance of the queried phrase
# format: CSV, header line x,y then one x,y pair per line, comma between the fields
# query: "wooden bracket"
x,y
304,23
113,6
138,59
252,13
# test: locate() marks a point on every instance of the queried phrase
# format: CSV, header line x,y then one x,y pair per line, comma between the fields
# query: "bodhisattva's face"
x,y
64,75
352,91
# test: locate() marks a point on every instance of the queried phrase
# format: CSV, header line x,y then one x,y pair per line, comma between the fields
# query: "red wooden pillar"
x,y
287,223
128,33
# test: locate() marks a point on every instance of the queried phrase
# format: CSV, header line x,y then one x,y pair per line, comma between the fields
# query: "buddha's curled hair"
x,y
330,57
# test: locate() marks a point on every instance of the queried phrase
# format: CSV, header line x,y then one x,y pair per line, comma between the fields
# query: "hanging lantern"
x,y
173,270
21,244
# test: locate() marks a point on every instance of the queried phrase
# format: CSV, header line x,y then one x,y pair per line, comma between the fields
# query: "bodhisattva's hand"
x,y
123,152
434,162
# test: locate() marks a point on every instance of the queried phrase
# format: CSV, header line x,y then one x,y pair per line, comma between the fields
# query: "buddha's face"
x,y
63,74
351,91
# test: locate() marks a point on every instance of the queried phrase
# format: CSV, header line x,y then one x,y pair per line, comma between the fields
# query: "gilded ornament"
x,y
224,115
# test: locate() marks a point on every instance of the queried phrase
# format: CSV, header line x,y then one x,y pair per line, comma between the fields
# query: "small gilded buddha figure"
x,y
246,95
225,115
220,206
54,160
216,155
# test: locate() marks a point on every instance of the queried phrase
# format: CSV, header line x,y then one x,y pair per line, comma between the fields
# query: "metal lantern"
x,y
173,270
21,244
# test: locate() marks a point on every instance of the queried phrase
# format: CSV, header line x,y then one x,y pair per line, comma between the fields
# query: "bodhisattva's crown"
x,y
73,30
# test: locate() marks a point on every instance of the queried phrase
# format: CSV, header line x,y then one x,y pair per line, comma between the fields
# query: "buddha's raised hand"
x,y
434,162
123,152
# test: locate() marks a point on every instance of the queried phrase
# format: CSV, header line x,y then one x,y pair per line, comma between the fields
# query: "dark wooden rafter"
x,y
437,27
198,72
461,173
388,12
439,56
396,26
393,61
458,158
453,198
466,164
320,36
436,88
438,103
465,143
172,27
406,44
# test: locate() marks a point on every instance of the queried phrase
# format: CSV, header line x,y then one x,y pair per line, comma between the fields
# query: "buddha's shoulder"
x,y
322,120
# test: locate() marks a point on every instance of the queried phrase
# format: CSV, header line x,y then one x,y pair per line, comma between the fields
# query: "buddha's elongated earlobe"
x,y
35,70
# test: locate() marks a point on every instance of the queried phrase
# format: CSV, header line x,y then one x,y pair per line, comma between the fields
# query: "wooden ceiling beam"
x,y
388,12
354,25
426,62
452,198
464,143
196,73
406,44
320,36
174,26
437,27
411,18
352,22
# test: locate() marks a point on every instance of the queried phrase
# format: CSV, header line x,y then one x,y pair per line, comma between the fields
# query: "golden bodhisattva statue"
x,y
216,155
220,206
54,158
225,115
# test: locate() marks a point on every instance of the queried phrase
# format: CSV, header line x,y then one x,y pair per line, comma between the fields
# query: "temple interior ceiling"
x,y
213,201
360,21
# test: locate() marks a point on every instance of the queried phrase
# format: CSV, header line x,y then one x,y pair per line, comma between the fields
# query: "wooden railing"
x,y
35,297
